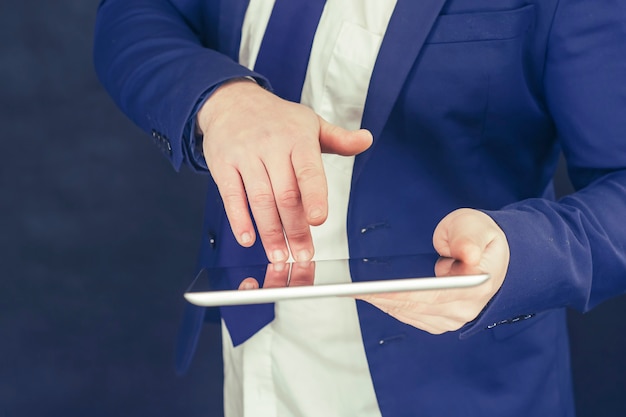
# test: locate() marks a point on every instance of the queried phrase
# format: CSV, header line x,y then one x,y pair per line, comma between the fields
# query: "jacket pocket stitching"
x,y
486,26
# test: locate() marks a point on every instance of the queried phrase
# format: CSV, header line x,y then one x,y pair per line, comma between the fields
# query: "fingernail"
x,y
303,256
246,238
315,213
248,286
278,267
279,256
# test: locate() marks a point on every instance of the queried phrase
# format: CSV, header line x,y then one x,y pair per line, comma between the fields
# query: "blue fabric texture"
x,y
470,103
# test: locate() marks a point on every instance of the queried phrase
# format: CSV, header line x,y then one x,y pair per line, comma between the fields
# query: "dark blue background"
x,y
98,240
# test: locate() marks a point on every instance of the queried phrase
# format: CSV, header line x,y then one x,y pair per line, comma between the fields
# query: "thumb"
x,y
464,235
337,140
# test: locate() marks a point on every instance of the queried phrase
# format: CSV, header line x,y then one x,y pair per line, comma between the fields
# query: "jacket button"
x,y
212,240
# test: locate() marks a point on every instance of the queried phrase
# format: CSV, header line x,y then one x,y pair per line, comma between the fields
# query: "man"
x,y
465,106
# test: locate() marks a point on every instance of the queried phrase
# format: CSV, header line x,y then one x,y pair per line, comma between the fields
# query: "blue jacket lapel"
x,y
408,28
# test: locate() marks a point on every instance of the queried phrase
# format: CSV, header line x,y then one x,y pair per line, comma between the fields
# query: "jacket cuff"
x,y
538,279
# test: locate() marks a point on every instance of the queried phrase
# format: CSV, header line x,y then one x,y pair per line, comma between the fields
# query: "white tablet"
x,y
272,282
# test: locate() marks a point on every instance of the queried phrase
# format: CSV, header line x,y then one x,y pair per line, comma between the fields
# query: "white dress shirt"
x,y
310,361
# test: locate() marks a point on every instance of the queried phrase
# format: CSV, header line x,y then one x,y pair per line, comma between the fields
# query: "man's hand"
x,y
265,152
467,239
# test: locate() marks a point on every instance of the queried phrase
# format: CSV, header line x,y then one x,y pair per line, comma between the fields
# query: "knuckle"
x,y
289,199
230,192
307,172
272,233
231,198
298,235
261,199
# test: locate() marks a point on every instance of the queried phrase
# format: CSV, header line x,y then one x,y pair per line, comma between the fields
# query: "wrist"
x,y
222,98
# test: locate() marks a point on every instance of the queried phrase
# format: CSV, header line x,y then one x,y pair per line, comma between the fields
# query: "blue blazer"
x,y
470,103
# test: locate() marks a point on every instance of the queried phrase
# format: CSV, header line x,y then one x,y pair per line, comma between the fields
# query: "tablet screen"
x,y
348,277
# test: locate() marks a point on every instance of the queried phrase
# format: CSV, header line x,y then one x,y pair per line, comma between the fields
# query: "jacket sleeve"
x,y
572,253
157,61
